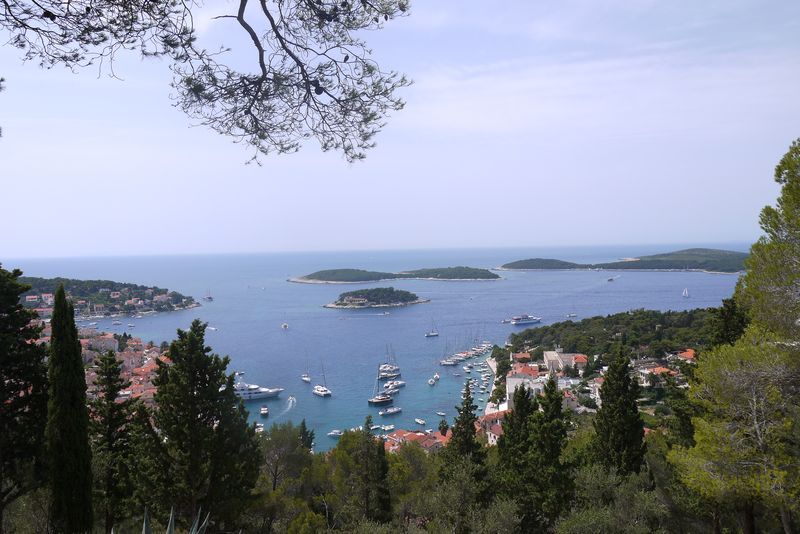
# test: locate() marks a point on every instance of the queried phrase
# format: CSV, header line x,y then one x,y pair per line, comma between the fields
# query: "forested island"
x,y
350,276
103,297
379,297
692,259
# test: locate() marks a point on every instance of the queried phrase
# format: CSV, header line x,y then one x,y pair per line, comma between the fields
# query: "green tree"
x,y
306,435
746,449
360,470
203,454
619,440
463,442
773,273
23,394
69,453
111,445
609,503
728,322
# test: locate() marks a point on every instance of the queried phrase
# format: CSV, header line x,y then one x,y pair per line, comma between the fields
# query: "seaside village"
x,y
139,360
581,395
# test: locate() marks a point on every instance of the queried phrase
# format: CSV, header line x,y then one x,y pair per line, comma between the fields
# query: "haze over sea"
x,y
252,298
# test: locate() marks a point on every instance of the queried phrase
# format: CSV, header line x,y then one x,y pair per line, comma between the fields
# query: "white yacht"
x,y
246,391
390,411
335,433
420,421
394,384
264,411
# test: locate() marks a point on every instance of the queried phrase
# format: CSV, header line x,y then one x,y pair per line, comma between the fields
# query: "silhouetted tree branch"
x,y
311,75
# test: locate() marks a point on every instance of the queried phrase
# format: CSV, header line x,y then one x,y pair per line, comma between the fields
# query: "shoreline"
x,y
334,306
623,270
301,280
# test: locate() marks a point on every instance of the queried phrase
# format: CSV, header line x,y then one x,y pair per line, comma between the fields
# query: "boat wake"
x,y
290,403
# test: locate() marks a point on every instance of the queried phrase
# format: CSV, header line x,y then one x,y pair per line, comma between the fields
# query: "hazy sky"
x,y
529,123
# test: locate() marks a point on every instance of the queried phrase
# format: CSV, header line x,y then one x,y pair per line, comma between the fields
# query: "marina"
x,y
351,343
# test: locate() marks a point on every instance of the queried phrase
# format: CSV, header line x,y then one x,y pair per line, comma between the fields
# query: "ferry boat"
x,y
525,319
264,411
390,411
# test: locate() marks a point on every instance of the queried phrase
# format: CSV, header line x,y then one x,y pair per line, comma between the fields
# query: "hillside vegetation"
x,y
360,275
696,259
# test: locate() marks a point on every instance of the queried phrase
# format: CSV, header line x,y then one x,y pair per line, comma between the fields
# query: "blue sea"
x,y
252,298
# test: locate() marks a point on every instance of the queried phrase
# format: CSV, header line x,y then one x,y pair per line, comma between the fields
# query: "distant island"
x,y
102,297
692,259
379,297
352,276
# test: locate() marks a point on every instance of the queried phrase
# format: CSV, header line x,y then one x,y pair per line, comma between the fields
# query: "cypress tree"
x,y
70,457
23,394
110,439
551,484
463,442
306,435
202,454
619,441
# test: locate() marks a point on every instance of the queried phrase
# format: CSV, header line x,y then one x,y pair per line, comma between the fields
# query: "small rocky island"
x,y
378,297
353,276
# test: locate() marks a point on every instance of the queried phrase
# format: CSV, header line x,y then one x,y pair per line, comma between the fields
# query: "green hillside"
x,y
360,275
696,259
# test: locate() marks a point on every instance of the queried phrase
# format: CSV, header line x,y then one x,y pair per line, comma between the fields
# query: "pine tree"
x,y
23,395
110,439
619,441
201,453
70,457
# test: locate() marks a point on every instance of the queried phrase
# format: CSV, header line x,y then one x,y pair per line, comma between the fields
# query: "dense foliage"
x,y
442,273
23,395
379,296
645,332
700,259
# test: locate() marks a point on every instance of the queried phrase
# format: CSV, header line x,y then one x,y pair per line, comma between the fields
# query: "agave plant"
x,y
196,528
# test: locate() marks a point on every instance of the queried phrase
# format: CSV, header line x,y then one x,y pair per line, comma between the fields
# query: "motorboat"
x,y
381,398
419,421
387,428
436,376
390,411
525,319
264,411
394,384
431,382
259,428
441,414
335,433
246,391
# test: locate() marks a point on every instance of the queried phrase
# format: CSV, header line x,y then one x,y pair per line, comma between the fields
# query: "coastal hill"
x,y
103,297
692,259
343,276
379,297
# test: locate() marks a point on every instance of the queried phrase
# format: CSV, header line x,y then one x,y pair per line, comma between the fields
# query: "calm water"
x,y
252,299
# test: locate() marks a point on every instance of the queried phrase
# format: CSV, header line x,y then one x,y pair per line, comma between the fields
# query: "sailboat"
x,y
381,398
322,390
305,377
208,297
686,292
433,332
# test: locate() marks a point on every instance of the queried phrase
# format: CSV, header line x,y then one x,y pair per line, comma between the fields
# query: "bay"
x,y
252,298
